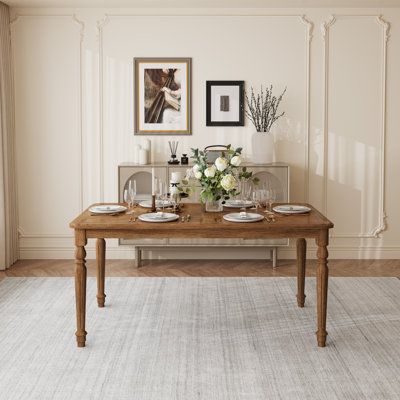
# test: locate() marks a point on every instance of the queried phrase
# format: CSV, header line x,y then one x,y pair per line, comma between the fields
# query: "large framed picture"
x,y
163,96
225,101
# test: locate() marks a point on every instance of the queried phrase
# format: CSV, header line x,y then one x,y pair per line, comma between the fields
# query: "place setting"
x,y
107,209
243,216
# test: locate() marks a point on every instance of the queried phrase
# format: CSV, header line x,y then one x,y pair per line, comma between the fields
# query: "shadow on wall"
x,y
290,147
353,189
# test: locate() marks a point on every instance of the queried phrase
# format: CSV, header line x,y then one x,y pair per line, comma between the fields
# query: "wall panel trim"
x,y
17,17
325,28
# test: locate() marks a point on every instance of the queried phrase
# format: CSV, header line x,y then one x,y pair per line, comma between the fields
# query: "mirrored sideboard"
x,y
277,174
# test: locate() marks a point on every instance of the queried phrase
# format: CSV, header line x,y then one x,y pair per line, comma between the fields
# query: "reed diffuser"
x,y
173,146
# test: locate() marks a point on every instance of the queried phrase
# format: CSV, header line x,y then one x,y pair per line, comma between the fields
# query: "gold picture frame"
x,y
162,88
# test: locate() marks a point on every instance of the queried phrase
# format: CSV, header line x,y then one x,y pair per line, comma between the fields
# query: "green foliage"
x,y
211,186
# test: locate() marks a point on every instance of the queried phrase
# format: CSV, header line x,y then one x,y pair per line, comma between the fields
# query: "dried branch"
x,y
262,110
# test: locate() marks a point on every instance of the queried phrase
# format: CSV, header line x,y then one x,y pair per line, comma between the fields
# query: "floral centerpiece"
x,y
219,181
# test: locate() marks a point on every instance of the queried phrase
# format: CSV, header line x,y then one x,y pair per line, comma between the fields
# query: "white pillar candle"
x,y
136,151
173,189
152,181
142,157
176,177
146,144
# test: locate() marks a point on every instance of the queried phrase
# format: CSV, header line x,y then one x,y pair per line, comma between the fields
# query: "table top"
x,y
202,224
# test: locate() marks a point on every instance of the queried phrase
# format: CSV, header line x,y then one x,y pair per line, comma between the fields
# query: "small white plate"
x,y
159,203
158,217
291,209
243,217
238,203
107,209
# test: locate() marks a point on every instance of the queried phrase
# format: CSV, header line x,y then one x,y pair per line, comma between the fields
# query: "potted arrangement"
x,y
262,111
219,181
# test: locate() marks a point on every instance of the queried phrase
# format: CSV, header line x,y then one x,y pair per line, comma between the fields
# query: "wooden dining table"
x,y
201,224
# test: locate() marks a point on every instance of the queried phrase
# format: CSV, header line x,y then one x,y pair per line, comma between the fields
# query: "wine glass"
x,y
162,194
271,197
246,193
126,197
159,191
257,198
132,193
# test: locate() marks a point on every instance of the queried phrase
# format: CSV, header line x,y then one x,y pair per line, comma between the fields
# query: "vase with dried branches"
x,y
263,111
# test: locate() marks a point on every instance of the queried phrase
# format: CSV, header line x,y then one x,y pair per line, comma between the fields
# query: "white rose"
x,y
236,161
221,163
210,172
228,182
196,168
198,175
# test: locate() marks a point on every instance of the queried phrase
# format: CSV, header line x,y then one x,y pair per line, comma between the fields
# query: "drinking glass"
x,y
132,192
159,191
126,197
271,197
162,193
257,196
245,193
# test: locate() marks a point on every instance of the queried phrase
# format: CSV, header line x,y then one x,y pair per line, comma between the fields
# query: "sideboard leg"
x,y
322,286
80,287
301,270
274,252
138,257
101,269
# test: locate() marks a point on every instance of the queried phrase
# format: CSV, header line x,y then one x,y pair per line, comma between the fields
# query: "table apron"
x,y
201,234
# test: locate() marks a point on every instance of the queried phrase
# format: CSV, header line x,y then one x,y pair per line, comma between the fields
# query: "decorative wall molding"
x,y
81,66
325,28
100,26
309,36
81,24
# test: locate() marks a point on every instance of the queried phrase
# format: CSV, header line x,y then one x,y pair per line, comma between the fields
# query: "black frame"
x,y
209,84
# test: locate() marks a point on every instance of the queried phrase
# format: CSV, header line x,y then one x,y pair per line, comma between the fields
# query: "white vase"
x,y
262,144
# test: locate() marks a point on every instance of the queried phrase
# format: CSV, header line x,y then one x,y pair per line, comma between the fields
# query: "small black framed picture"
x,y
225,103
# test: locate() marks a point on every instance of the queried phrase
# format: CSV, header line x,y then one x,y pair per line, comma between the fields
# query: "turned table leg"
x,y
301,270
80,287
322,286
101,267
138,257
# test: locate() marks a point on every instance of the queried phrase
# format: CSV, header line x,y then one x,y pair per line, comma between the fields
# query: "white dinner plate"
x,y
158,217
159,203
243,217
107,209
238,203
291,209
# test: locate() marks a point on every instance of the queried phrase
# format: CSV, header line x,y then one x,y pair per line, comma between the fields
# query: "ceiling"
x,y
202,3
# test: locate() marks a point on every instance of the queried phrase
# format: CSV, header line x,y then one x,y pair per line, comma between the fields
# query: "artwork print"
x,y
224,103
162,96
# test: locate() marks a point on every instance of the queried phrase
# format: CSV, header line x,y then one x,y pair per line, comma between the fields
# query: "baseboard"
x,y
127,252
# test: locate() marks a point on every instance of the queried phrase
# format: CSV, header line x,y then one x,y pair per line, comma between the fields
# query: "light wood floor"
x,y
204,268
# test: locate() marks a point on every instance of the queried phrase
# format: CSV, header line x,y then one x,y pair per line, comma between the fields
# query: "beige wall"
x,y
74,111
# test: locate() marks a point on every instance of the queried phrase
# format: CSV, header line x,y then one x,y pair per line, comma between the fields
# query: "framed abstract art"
x,y
162,96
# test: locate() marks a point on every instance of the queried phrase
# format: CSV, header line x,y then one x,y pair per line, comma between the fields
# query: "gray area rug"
x,y
199,338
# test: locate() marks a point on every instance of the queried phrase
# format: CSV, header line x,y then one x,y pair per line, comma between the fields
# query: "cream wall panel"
x,y
355,124
47,88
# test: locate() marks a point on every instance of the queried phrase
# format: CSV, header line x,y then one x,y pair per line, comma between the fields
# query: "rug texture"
x,y
199,338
